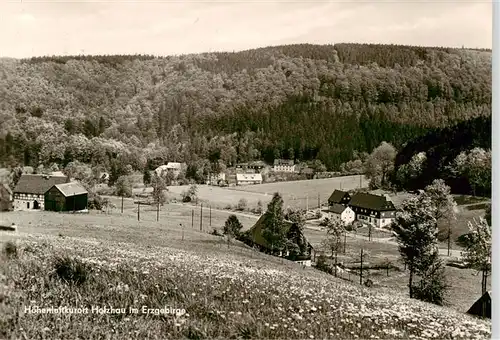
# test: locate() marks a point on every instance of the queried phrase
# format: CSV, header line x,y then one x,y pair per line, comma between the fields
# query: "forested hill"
x,y
296,101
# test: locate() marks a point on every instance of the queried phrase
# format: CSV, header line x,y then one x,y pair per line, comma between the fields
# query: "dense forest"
x,y
459,154
298,101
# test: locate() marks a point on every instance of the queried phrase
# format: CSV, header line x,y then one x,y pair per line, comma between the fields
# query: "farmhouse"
x,y
252,167
293,234
6,198
174,167
339,197
30,190
284,165
66,197
245,179
374,209
340,213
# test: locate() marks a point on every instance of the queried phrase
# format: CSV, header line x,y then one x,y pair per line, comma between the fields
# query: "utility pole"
x,y
157,211
192,218
182,227
210,218
201,217
449,239
319,201
345,239
138,211
74,203
122,203
361,269
360,178
307,203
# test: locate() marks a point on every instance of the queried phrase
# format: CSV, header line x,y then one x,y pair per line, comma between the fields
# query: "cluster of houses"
x,y
44,192
366,208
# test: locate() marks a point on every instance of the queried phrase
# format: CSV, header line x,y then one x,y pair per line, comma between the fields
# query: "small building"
x,y
293,234
6,198
284,165
246,179
29,193
373,209
174,167
66,197
339,197
217,179
340,213
482,307
251,167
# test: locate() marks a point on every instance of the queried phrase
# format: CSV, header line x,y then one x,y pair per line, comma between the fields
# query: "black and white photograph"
x,y
246,169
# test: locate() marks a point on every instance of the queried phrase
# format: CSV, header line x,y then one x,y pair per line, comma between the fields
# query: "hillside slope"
x,y
224,295
303,101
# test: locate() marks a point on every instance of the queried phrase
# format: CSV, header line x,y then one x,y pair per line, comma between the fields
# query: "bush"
x,y
72,270
242,204
10,250
322,264
215,232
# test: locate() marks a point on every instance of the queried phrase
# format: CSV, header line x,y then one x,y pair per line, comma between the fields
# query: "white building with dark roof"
x,y
30,190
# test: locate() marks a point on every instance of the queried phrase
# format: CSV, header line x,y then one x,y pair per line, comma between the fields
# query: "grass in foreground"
x,y
223,295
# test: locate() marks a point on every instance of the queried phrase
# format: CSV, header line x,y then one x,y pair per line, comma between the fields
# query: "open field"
x,y
117,227
224,292
298,194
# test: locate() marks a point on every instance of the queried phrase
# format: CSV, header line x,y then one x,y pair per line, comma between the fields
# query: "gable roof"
x,y
337,196
337,208
70,189
256,231
249,177
477,307
372,202
37,184
174,165
288,162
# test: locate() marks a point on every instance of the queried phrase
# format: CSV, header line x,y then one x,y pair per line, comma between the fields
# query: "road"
x,y
390,240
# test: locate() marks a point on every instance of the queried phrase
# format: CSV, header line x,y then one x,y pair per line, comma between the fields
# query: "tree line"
x,y
298,101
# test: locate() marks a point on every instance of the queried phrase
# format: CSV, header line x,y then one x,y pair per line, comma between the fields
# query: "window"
x,y
28,204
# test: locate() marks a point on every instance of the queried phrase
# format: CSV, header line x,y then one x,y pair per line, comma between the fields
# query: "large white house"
x,y
29,191
245,179
373,209
340,213
284,165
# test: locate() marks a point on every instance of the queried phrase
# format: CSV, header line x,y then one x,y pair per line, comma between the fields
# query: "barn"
x,y
66,197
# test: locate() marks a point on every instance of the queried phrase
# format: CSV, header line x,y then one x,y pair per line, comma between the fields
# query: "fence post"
x,y
138,211
157,211
201,217
210,218
192,218
122,203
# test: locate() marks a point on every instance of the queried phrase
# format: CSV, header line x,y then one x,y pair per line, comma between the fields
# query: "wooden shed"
x,y
66,197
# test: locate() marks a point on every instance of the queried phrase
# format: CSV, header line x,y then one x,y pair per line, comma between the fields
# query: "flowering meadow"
x,y
215,294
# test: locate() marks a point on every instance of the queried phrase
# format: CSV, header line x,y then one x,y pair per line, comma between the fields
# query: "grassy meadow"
x,y
195,292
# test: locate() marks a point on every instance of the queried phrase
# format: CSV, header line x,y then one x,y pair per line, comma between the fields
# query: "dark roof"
x,y
477,307
283,162
336,208
70,189
37,184
372,202
256,231
337,196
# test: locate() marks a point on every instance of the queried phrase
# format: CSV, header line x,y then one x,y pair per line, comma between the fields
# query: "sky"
x,y
37,28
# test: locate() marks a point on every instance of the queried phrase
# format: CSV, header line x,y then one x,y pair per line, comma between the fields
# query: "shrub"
x,y
322,264
242,204
72,270
10,250
215,232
